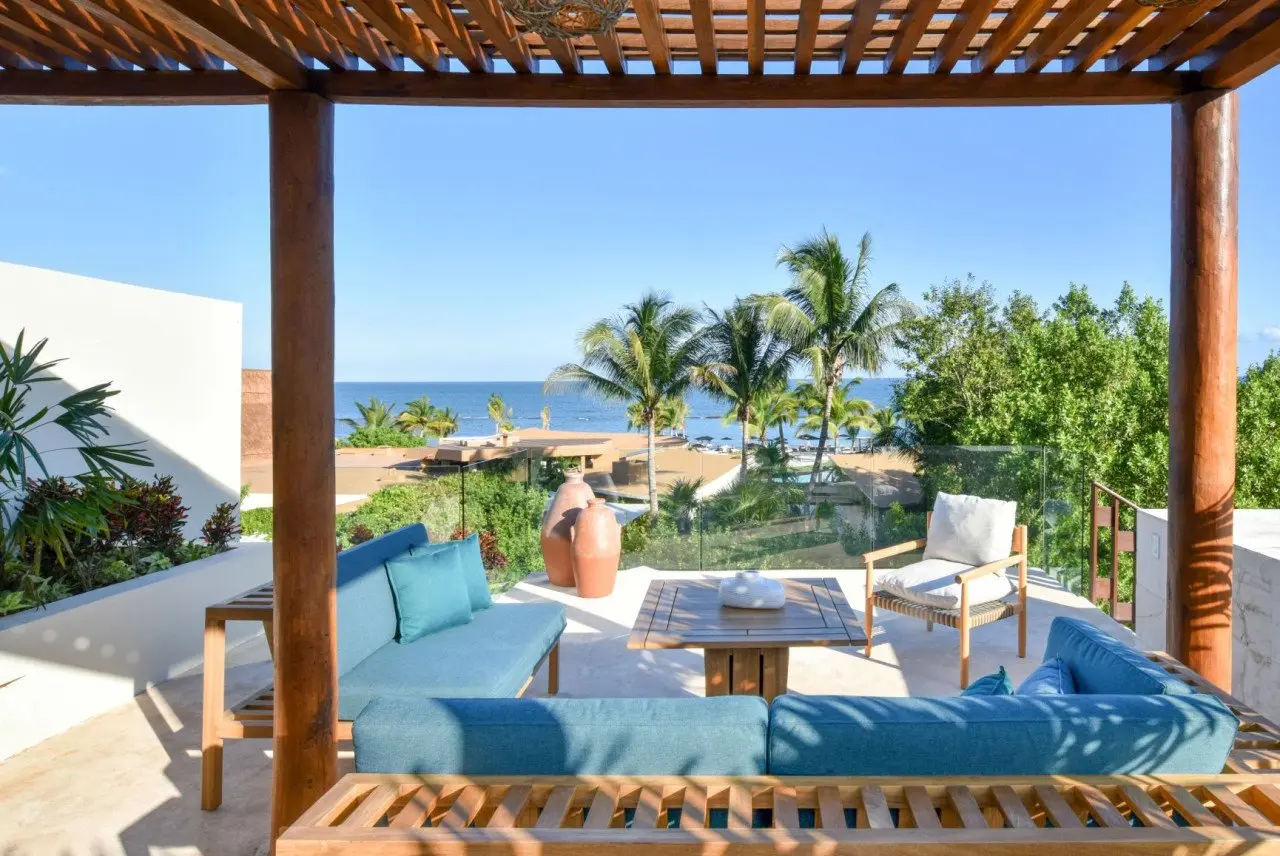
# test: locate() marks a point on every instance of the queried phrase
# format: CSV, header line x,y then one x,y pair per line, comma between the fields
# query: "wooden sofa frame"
x,y
968,615
253,717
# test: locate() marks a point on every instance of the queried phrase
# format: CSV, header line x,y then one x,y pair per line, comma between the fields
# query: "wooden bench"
x,y
254,717
392,814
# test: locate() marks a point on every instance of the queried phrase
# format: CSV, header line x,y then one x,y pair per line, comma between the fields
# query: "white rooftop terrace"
x,y
128,782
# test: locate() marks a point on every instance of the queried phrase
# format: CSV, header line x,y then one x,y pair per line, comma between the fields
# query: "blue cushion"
x,y
1052,677
491,657
1101,663
723,736
366,610
999,735
997,683
430,593
472,568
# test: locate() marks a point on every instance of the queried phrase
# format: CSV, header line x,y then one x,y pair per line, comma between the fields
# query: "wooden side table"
x,y
748,651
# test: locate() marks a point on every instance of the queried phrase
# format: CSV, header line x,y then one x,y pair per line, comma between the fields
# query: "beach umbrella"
x,y
705,438
726,438
806,436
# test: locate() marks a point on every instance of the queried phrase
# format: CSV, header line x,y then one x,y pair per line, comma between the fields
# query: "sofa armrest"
x,y
989,568
895,550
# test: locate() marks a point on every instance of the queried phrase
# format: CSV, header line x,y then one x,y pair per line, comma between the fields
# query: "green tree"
x,y
674,413
647,352
500,414
444,422
831,317
1258,445
680,503
417,417
745,359
777,408
847,412
374,415
671,413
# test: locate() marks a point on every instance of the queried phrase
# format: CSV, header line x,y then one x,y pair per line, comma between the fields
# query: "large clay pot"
x,y
597,549
557,526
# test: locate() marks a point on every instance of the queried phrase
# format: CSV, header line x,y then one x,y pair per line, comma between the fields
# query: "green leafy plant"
x,y
257,522
222,528
369,438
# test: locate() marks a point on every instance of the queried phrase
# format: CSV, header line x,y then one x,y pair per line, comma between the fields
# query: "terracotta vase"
x,y
557,525
597,549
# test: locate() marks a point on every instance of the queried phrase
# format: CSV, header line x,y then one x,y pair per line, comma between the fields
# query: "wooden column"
x,y
1202,381
306,674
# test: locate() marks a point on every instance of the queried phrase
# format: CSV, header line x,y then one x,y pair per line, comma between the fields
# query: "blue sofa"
x,y
1129,717
491,657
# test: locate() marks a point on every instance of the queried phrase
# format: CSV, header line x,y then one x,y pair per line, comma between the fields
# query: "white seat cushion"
x,y
970,529
932,582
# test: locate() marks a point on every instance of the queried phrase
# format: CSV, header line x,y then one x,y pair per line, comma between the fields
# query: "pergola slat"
x,y
960,35
755,36
1155,34
1244,61
807,34
565,55
436,16
498,28
61,41
855,41
91,31
1209,32
9,59
1010,32
301,31
386,17
351,32
655,34
908,35
224,35
124,17
704,31
1115,25
33,52
610,52
1065,26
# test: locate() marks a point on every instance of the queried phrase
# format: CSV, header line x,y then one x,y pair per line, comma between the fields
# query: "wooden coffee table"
x,y
747,650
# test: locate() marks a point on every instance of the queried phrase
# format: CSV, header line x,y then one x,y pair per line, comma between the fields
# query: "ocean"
x,y
569,411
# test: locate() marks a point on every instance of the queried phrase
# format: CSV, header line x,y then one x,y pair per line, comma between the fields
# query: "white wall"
x,y
174,358
84,655
1255,597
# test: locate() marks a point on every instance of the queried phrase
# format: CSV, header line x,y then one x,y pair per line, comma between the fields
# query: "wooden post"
x,y
306,674
1202,381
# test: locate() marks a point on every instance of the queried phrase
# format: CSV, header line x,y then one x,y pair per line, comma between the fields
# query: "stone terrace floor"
x,y
128,781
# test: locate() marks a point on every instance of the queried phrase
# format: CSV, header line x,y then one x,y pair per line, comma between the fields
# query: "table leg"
x,y
215,650
717,671
775,664
744,670
268,629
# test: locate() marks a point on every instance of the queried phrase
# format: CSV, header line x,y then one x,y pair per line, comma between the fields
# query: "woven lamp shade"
x,y
565,19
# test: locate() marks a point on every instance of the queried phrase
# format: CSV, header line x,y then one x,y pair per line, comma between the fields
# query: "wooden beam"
x,y
1202,381
351,32
565,54
723,90
1251,56
755,36
58,38
955,42
1115,25
91,31
9,59
655,34
1009,35
435,14
856,37
32,51
1065,26
908,34
302,318
498,27
386,17
1208,32
704,32
220,32
284,19
1155,34
807,34
144,30
610,52
129,88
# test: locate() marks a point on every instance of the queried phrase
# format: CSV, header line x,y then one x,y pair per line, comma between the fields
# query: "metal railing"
x,y
1108,516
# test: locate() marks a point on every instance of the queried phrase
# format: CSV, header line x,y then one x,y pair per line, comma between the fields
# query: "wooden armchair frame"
x,y
968,615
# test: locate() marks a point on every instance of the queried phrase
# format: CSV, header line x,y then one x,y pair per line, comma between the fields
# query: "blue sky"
x,y
473,244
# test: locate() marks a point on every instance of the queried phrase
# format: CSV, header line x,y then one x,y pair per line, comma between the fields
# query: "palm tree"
x,y
680,503
745,359
546,417
444,422
848,413
500,414
417,416
776,408
674,412
772,459
645,353
373,415
829,315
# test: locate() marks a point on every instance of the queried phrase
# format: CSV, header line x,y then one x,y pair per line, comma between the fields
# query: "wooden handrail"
x,y
1122,541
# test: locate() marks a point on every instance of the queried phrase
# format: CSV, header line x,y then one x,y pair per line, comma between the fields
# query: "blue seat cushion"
x,y
430,593
491,657
722,736
366,610
999,735
1102,664
1052,677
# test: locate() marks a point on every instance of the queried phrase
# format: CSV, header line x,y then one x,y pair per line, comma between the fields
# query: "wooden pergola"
x,y
302,56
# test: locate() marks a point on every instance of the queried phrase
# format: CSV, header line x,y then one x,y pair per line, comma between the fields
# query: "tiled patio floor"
x,y
129,781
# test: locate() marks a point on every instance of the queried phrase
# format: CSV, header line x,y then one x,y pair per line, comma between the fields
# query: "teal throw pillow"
x,y
989,685
430,593
1052,677
468,550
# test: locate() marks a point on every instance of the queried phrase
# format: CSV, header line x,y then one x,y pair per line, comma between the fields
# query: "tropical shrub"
x,y
369,438
257,522
221,528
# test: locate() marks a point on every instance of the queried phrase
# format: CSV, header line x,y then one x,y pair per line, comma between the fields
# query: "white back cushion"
x,y
970,529
932,582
